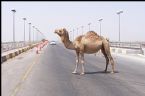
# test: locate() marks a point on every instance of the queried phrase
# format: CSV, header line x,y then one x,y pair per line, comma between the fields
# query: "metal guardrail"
x,y
130,45
6,46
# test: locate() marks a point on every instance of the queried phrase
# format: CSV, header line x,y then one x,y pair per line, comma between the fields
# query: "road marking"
x,y
29,70
17,88
24,77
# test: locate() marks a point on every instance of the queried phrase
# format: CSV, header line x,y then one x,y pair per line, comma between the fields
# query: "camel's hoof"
x,y
112,72
82,73
74,72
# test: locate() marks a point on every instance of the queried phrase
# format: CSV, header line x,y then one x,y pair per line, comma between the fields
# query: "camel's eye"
x,y
60,31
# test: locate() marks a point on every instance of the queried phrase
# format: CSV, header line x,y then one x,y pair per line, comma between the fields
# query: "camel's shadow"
x,y
101,72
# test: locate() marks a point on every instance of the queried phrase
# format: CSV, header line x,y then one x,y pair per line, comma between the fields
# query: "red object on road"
x,y
40,46
37,48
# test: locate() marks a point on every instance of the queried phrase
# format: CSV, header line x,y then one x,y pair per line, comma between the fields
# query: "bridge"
x,y
49,72
32,66
11,49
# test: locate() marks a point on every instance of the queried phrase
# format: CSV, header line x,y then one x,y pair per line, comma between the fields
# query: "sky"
x,y
48,16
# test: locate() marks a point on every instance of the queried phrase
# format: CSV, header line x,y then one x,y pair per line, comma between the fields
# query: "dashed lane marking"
x,y
24,77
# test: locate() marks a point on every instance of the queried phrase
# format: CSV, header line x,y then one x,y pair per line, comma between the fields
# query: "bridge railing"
x,y
130,45
6,46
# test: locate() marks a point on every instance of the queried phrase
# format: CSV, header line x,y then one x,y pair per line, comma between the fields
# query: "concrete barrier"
x,y
15,53
10,55
126,51
3,59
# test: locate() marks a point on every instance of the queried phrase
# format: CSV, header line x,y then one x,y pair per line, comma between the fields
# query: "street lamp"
x,y
82,29
42,34
119,22
29,32
89,26
100,25
13,26
70,36
73,34
77,31
36,34
33,32
24,28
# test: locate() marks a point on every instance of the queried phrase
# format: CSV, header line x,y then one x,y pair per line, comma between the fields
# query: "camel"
x,y
89,43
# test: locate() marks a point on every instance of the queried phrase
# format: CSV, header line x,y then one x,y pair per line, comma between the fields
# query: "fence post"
x,y
142,52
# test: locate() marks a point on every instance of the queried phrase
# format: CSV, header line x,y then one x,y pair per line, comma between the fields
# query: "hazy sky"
x,y
47,16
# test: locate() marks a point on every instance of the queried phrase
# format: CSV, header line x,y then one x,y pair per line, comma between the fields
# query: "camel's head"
x,y
61,32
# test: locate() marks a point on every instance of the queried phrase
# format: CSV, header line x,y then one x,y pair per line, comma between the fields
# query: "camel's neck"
x,y
67,43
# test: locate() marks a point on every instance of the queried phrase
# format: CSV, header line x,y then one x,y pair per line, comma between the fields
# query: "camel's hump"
x,y
91,34
79,38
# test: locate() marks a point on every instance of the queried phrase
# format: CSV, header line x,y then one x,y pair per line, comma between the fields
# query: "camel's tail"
x,y
104,38
107,39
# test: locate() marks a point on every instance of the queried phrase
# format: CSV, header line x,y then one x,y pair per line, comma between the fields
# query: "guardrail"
x,y
6,46
133,45
129,45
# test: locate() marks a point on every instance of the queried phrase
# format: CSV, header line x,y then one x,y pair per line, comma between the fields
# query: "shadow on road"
x,y
101,72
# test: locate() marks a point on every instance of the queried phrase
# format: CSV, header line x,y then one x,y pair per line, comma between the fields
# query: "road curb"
x,y
16,53
3,59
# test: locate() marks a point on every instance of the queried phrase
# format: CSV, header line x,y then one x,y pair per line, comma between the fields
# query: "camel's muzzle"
x,y
55,32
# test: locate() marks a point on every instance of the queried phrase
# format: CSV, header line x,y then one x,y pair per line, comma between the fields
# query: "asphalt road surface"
x,y
49,74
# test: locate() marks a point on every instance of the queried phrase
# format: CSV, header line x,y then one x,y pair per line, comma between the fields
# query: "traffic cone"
x,y
37,49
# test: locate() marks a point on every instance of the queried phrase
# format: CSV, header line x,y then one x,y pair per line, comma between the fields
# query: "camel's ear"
x,y
64,29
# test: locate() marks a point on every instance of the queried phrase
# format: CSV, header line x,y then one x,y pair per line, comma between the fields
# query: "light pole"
x,y
100,25
77,31
70,37
29,32
119,23
89,26
13,26
42,35
33,32
36,34
73,34
82,29
24,28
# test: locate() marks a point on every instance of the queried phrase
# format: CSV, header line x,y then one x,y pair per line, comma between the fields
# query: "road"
x,y
49,74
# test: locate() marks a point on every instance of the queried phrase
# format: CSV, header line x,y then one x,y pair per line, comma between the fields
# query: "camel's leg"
x,y
77,61
82,63
107,51
112,63
107,59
